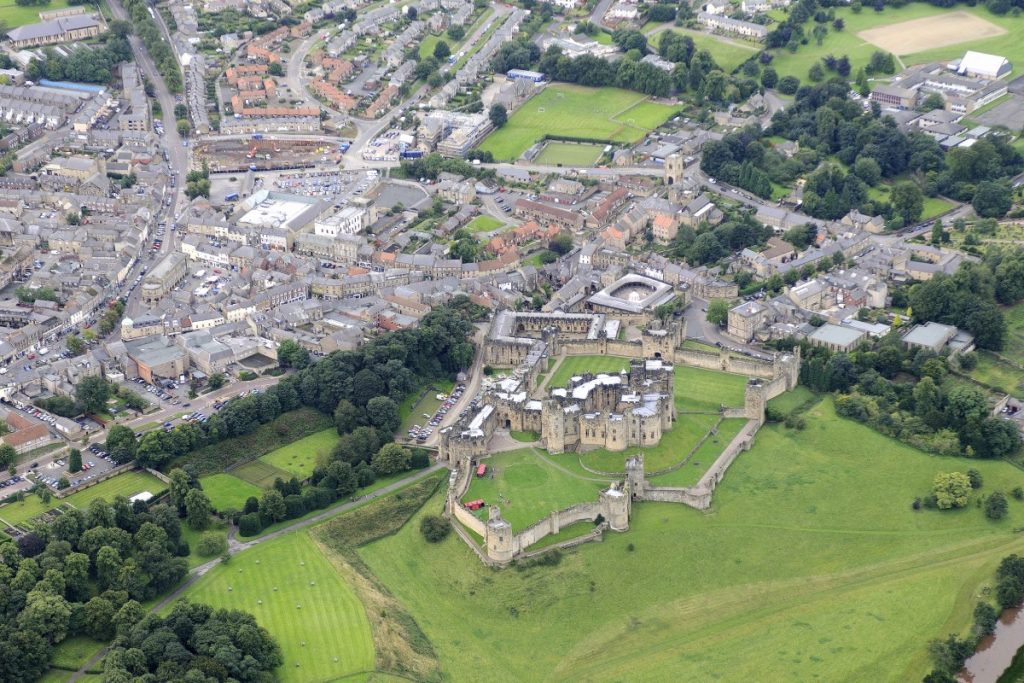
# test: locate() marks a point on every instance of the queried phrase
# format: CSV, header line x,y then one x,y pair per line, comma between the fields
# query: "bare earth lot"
x,y
917,35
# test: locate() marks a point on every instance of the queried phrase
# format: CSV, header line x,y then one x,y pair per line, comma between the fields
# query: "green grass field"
x,y
127,484
72,653
859,51
572,366
932,207
260,474
690,474
299,457
483,224
727,53
529,488
791,400
686,433
427,46
14,15
999,374
561,109
569,154
314,615
811,566
1014,344
227,491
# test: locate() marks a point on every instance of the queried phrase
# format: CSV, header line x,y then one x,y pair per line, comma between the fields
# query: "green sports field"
x,y
859,51
314,615
609,114
810,566
14,15
299,458
569,154
127,484
529,487
227,491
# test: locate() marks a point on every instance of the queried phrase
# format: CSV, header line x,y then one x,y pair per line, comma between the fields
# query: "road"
x,y
476,374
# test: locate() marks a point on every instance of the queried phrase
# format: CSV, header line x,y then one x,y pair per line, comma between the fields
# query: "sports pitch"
x,y
609,114
951,28
569,154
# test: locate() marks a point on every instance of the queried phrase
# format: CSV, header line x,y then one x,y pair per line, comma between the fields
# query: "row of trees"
x,y
159,49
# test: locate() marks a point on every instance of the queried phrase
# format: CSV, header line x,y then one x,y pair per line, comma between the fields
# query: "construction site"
x,y
265,154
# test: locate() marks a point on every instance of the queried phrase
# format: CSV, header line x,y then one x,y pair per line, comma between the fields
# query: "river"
x,y
995,652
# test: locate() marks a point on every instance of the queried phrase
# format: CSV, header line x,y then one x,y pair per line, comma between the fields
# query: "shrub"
x,y
975,477
1017,493
773,414
996,506
212,543
250,524
435,528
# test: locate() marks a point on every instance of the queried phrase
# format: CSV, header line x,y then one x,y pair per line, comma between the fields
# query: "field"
x,y
75,651
561,109
999,374
299,457
294,592
483,224
728,53
812,564
259,473
14,15
690,474
227,491
569,154
1014,344
675,444
949,28
932,207
127,484
848,42
573,366
529,487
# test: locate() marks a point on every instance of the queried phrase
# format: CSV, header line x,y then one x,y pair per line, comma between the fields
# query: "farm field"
x,y
569,154
727,53
299,457
812,564
15,15
562,109
127,484
314,615
227,491
529,487
859,50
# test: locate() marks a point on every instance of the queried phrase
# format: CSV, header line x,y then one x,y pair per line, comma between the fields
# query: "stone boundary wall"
x,y
596,535
684,461
468,519
553,523
742,442
464,535
159,475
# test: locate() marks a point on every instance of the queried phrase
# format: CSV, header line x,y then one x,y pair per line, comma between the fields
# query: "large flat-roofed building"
x,y
934,336
265,209
982,65
894,96
836,337
59,30
632,297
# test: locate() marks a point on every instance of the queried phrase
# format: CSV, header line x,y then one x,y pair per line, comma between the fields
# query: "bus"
x,y
481,471
231,197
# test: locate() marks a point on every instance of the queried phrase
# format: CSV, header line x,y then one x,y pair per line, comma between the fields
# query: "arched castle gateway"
x,y
633,408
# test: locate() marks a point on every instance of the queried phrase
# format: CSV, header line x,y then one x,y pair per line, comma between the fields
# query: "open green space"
x,y
261,474
1013,347
126,484
692,471
848,43
192,537
427,46
569,154
675,444
728,53
791,400
574,366
703,390
299,457
483,224
932,206
14,15
228,491
75,651
529,487
812,564
609,114
294,592
999,374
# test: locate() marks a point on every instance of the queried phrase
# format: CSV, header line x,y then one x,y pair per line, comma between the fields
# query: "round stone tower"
x,y
615,507
498,536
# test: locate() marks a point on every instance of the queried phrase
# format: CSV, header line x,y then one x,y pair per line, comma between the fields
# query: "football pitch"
x,y
610,114
569,154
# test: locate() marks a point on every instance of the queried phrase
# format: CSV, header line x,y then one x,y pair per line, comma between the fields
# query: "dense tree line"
x,y
86,573
967,299
85,66
159,49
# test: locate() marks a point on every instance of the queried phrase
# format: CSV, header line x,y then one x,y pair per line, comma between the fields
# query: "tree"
x,y
769,77
121,444
74,460
274,69
561,243
996,506
212,543
951,490
788,85
435,528
63,483
291,355
217,380
938,233
184,128
46,614
985,618
816,73
197,510
441,50
390,459
24,655
75,345
272,507
975,477
8,456
498,115
382,413
92,393
99,618
347,416
992,199
718,312
839,24
907,202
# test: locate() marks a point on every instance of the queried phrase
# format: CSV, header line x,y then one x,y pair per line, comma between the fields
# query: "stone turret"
x,y
498,536
673,169
636,485
615,507
755,399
